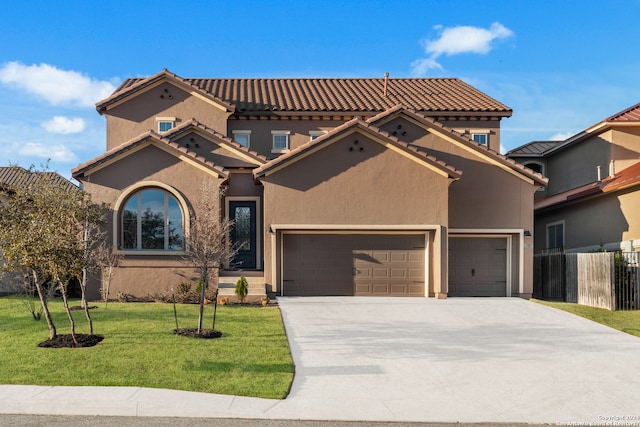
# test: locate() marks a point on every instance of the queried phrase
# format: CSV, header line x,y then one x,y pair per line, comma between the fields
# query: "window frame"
x,y
483,134
553,225
165,120
118,212
246,133
280,133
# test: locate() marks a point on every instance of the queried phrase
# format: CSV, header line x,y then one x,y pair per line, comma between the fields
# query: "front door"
x,y
243,233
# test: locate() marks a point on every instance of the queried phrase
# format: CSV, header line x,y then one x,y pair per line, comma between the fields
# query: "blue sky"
x,y
560,65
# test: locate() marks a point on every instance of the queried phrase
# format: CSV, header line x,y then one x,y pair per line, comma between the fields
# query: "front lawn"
x,y
625,321
251,358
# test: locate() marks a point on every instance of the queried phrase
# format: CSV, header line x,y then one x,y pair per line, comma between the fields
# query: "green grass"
x,y
625,321
252,357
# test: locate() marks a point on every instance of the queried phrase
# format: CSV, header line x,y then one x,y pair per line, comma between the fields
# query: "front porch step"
x,y
227,288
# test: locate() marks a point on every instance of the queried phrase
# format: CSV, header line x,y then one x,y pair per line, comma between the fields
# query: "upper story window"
x,y
280,141
242,137
555,235
152,220
165,123
481,138
314,134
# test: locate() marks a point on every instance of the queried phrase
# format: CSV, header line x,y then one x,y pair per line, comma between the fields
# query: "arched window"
x,y
152,219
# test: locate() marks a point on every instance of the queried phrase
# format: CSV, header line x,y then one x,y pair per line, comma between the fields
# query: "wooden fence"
x,y
600,279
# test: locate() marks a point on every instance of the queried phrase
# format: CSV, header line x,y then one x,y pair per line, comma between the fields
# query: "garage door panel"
x,y
358,264
477,266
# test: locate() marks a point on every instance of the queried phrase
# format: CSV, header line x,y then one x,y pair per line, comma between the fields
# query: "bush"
x,y
242,288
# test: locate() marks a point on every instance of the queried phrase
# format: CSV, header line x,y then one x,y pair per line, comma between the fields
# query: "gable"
x,y
448,145
113,159
357,127
355,180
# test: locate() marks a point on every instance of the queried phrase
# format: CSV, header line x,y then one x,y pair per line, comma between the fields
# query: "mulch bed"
x,y
204,333
66,341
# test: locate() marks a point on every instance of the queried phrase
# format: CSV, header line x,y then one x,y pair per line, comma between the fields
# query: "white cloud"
x,y
56,86
561,136
457,40
64,125
56,153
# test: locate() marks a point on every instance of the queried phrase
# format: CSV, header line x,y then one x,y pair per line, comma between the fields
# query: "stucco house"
x,y
385,186
592,199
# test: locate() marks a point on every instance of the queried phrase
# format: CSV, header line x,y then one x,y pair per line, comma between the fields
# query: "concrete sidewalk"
x,y
408,359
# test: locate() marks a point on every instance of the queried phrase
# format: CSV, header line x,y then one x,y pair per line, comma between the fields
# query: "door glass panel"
x,y
243,227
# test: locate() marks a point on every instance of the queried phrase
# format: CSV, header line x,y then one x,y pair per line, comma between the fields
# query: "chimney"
x,y
612,168
386,80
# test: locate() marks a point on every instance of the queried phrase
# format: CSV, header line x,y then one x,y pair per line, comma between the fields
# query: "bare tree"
x,y
207,243
107,260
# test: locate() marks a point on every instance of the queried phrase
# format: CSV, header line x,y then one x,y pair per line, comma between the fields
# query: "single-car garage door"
x,y
354,264
477,267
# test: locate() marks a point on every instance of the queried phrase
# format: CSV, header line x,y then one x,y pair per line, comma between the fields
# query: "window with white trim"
x,y
165,123
314,134
555,235
242,137
152,219
481,138
280,141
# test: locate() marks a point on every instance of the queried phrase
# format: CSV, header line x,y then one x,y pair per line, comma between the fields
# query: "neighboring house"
x,y
592,201
12,177
336,186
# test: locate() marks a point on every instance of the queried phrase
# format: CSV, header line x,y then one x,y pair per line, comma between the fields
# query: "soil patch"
x,y
204,333
66,341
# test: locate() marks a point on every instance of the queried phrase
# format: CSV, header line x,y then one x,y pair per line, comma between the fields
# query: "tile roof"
x,y
334,95
625,178
534,148
367,128
115,152
15,176
631,114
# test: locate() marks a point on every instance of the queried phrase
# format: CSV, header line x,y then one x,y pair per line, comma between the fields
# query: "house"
x,y
12,177
336,186
592,199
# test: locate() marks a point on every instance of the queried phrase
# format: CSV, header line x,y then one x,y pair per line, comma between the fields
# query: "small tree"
x,y
206,244
44,227
107,260
242,288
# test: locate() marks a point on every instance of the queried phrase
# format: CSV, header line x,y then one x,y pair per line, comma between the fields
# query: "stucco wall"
x,y
130,119
141,275
335,186
606,220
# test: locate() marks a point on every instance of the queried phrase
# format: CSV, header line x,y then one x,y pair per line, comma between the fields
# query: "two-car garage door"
x,y
353,264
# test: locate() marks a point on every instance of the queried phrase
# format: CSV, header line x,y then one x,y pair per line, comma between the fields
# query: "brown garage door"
x,y
385,265
477,267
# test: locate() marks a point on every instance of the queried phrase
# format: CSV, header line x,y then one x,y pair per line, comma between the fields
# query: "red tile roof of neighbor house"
x,y
16,176
330,95
631,114
625,178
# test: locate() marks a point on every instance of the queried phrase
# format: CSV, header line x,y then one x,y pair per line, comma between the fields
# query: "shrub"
x,y
242,288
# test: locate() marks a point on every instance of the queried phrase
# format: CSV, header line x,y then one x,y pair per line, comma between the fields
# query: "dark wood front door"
x,y
243,233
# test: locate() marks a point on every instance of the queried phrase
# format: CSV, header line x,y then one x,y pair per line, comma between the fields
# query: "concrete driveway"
x,y
460,359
